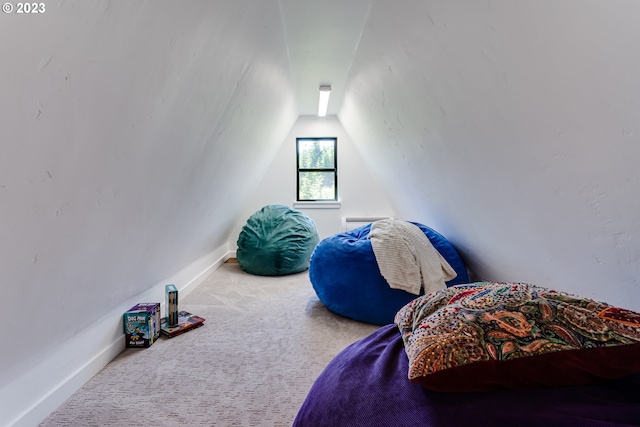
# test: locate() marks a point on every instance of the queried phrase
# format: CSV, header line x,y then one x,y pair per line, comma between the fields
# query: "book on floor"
x,y
186,322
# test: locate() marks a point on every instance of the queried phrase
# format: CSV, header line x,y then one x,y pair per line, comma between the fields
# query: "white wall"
x,y
123,125
511,127
359,193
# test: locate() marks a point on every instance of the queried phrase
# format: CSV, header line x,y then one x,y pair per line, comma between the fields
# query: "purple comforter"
x,y
366,385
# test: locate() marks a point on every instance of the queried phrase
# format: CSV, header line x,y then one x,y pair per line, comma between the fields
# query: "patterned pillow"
x,y
485,336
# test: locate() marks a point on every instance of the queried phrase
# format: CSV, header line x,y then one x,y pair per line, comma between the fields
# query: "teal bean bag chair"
x,y
346,277
276,240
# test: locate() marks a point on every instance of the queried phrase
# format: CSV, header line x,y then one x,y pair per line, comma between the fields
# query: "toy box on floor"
x,y
142,325
171,303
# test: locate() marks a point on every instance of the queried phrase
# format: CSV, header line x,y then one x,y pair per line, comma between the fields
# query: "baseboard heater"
x,y
351,222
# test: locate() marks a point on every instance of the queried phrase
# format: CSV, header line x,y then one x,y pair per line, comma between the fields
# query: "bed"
x,y
368,383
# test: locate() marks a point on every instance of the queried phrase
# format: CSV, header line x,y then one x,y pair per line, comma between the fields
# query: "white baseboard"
x,y
29,399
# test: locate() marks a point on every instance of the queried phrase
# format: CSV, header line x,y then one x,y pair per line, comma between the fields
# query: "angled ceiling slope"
x,y
322,40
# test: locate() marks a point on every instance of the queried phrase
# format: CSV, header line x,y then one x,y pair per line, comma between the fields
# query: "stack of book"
x,y
186,322
177,322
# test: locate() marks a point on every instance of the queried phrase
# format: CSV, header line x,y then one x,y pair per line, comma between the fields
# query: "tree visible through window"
x,y
317,169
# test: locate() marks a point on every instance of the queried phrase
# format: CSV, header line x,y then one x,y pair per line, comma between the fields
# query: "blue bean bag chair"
x,y
345,276
276,240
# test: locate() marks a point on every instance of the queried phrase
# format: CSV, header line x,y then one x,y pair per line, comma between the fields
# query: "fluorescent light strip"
x,y
325,91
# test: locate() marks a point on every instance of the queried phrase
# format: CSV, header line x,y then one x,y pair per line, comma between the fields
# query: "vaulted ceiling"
x,y
322,40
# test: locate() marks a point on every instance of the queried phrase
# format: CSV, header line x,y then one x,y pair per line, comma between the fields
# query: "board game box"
x,y
142,325
171,304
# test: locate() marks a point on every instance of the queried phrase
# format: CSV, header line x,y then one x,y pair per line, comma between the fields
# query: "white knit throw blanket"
x,y
406,257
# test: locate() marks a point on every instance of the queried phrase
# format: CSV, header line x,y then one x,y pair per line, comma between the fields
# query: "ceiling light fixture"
x,y
325,91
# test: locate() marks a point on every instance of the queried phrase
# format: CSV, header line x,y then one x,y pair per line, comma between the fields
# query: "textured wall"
x,y
512,128
132,132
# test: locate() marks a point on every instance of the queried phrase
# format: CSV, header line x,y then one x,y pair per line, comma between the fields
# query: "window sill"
x,y
317,205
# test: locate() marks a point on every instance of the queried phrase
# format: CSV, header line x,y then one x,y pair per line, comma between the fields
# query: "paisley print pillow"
x,y
489,335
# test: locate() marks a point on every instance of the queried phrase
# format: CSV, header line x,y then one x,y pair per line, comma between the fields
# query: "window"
x,y
317,167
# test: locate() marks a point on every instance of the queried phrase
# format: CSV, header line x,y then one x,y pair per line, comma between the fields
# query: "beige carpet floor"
x,y
264,342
